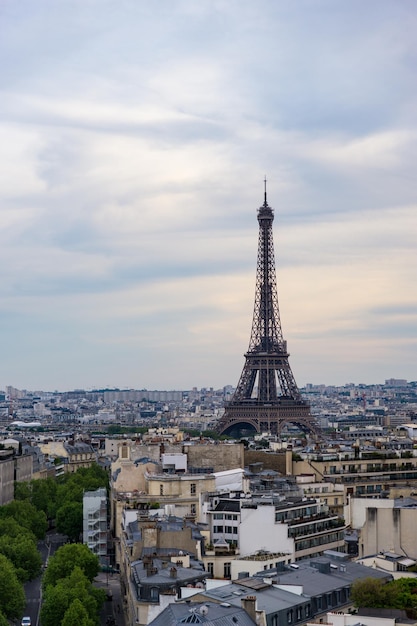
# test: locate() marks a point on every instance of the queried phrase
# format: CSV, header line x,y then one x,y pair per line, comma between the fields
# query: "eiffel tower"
x,y
267,396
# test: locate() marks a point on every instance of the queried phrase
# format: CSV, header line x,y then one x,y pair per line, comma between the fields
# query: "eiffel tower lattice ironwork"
x,y
267,396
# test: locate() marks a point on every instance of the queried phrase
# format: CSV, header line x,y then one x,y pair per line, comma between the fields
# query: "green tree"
x,y
9,526
23,553
69,520
27,516
43,496
76,615
12,595
22,491
396,594
59,597
66,558
71,487
368,592
3,620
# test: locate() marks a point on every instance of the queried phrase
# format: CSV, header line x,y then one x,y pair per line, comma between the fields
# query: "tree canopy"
x,y
69,520
39,492
12,595
396,594
76,615
68,557
23,554
27,516
62,600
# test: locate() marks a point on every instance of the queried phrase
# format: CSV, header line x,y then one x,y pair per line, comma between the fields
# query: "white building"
x,y
95,523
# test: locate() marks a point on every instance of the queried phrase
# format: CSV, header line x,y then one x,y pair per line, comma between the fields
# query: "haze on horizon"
x,y
135,137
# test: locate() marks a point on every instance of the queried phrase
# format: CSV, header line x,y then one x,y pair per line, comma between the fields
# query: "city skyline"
x,y
135,141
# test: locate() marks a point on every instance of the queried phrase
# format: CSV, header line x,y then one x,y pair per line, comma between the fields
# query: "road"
x,y
111,612
33,588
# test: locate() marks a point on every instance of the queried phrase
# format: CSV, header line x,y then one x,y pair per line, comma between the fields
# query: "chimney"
x,y
249,605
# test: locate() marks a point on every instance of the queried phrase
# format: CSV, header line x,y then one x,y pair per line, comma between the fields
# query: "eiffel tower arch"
x,y
266,397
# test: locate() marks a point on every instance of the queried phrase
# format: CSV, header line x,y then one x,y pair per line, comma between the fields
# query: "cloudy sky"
x,y
134,139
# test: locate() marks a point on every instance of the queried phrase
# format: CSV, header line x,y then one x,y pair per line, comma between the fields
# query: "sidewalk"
x,y
112,611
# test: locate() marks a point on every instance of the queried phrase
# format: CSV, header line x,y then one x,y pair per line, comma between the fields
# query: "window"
x,y
193,509
161,490
210,568
193,489
226,570
289,616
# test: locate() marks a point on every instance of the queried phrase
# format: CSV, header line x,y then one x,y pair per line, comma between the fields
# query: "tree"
x,y
396,594
27,516
71,487
66,558
58,598
69,520
368,592
9,526
12,595
76,615
3,620
23,554
22,491
43,495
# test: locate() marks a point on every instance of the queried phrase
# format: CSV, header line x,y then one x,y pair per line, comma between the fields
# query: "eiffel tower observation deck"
x,y
267,396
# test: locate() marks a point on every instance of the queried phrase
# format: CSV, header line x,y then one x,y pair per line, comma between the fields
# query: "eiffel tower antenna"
x,y
266,397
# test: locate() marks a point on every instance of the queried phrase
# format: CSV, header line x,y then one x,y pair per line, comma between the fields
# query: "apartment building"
x,y
95,523
291,529
369,473
159,556
294,594
384,525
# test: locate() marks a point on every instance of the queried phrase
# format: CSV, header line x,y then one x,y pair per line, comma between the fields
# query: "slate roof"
x,y
213,614
228,505
268,598
304,574
162,573
339,572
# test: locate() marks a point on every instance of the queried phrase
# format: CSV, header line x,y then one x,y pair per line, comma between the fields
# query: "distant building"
x,y
73,454
6,476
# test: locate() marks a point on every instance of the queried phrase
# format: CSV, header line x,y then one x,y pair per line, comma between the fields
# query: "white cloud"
x,y
134,141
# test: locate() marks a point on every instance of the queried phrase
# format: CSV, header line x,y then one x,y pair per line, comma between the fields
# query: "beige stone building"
x,y
13,468
370,474
159,556
6,477
73,455
142,484
384,525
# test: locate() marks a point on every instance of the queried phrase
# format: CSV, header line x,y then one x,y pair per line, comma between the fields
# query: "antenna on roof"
x,y
265,201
